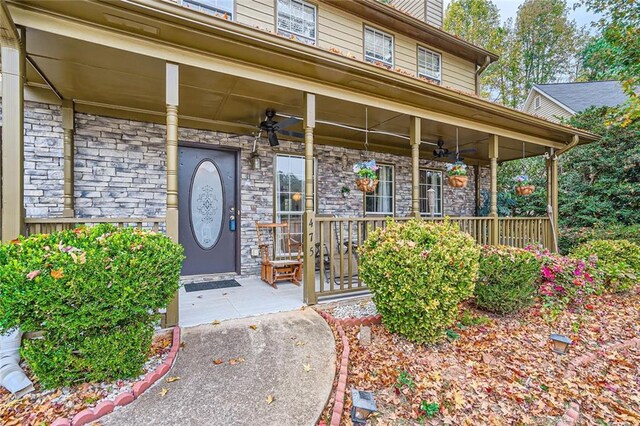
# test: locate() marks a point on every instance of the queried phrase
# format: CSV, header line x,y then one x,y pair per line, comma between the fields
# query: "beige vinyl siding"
x,y
256,13
434,12
415,8
458,73
340,30
406,54
548,109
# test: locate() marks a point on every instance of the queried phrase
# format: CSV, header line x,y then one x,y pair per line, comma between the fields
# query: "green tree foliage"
x,y
615,52
600,182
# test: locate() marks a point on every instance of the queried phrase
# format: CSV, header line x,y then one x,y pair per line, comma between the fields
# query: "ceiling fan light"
x,y
273,138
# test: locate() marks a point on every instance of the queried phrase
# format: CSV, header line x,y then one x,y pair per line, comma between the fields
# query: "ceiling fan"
x,y
441,151
273,127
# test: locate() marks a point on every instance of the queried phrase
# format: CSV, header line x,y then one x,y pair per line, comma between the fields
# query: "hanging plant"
x,y
523,185
366,175
457,173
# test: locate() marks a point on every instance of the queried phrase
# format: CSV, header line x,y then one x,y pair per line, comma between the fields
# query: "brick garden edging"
x,y
341,387
571,416
89,415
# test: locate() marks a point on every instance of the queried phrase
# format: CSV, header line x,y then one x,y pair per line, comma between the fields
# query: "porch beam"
x,y
13,79
172,97
493,209
308,267
415,133
68,150
204,60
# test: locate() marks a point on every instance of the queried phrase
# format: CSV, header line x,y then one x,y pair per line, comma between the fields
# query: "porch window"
x,y
381,200
429,64
430,179
378,47
211,7
297,19
289,194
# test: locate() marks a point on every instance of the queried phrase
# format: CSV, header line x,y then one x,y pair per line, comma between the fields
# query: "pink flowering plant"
x,y
565,282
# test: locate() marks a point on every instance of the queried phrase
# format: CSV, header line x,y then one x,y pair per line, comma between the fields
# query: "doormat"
x,y
211,285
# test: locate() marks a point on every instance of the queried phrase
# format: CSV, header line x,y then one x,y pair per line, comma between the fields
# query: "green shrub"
x,y
506,279
618,260
94,293
418,273
570,238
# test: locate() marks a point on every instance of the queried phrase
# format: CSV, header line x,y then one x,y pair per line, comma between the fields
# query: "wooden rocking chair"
x,y
284,266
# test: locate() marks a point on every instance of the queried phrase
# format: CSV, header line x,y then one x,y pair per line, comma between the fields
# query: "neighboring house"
x,y
560,101
147,112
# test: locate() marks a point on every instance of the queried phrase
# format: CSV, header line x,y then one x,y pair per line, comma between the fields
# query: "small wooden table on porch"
x,y
280,262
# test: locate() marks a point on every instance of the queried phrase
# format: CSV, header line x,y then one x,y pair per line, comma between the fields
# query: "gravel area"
x,y
354,310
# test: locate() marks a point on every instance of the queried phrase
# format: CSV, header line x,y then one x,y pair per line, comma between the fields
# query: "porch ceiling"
x,y
105,80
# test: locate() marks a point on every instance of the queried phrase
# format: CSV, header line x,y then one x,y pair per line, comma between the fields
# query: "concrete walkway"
x,y
289,356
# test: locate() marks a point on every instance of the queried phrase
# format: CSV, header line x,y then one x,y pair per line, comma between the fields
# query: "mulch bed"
x,y
504,372
45,406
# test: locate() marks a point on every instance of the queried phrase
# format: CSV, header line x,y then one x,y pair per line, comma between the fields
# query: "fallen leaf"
x,y
235,361
218,361
215,322
307,367
300,343
173,379
182,345
57,274
253,327
163,392
270,399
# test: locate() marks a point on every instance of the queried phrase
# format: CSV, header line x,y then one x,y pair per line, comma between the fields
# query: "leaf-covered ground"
x,y
504,372
42,407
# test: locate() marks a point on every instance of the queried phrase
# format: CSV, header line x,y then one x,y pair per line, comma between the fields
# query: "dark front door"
x,y
208,204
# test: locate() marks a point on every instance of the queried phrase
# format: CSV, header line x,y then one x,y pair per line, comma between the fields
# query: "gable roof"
x,y
579,96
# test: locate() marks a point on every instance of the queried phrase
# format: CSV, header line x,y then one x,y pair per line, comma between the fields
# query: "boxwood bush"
x,y
618,260
418,273
94,292
507,279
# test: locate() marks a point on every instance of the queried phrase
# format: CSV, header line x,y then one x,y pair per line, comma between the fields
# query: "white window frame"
x,y
537,102
377,32
278,213
376,194
209,7
439,196
423,70
298,36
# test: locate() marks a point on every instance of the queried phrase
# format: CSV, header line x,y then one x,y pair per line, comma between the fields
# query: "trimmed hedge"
x,y
418,273
507,279
571,238
94,292
619,261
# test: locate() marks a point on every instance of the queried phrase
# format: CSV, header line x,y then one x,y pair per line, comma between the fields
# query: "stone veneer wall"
x,y
120,172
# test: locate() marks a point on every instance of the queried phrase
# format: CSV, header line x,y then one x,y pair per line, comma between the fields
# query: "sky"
x,y
509,8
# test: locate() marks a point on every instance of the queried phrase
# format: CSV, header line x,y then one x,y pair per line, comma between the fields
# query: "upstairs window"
x,y
297,20
536,102
211,7
429,64
378,47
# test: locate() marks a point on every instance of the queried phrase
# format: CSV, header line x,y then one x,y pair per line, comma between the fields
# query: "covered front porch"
x,y
117,130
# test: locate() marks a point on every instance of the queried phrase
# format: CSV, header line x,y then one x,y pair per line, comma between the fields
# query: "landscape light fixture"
x,y
560,343
363,405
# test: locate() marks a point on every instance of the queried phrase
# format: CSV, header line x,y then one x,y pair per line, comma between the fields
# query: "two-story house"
x,y
163,114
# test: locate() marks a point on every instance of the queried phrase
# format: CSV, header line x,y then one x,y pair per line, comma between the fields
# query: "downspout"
x,y
11,375
487,62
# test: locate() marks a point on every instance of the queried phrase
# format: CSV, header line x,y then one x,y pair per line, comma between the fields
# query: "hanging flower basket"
x,y
523,185
366,175
457,174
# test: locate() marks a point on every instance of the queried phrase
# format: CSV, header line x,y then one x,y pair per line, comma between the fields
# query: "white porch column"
x,y
415,136
493,210
13,77
308,228
552,196
68,127
172,84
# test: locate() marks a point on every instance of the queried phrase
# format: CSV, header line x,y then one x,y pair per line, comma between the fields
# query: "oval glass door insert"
x,y
206,204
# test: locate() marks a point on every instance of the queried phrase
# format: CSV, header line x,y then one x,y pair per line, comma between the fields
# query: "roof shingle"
x,y
581,95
